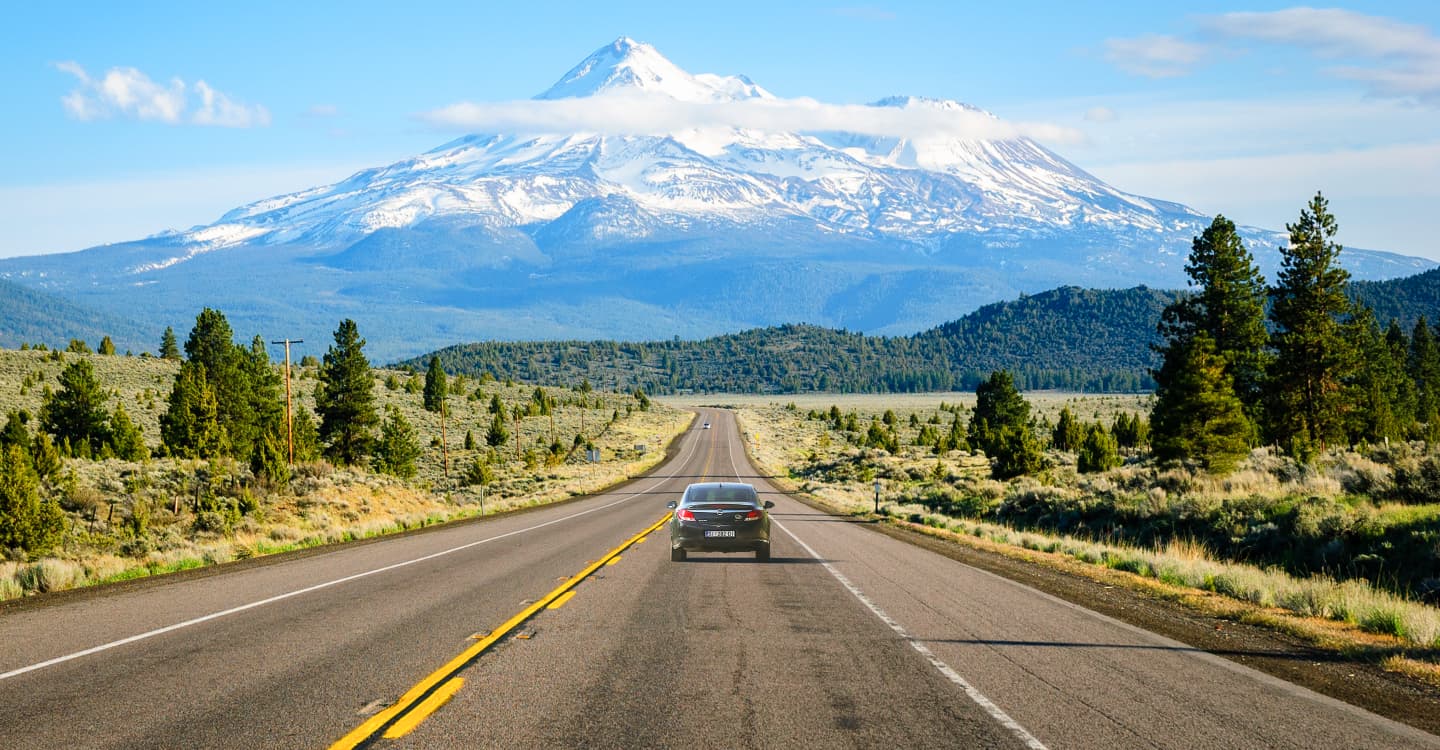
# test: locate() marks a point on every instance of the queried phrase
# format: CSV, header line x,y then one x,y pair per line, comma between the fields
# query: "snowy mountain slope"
x,y
690,232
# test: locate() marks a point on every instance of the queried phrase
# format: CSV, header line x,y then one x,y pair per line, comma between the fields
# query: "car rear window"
x,y
721,495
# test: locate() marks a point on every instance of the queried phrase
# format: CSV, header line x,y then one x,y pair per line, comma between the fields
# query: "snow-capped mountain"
x,y
695,230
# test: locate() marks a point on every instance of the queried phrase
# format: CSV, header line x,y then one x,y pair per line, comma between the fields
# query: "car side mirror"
x,y
769,504
670,505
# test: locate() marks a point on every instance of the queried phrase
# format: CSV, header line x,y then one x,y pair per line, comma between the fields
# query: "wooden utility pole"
x,y
289,421
444,442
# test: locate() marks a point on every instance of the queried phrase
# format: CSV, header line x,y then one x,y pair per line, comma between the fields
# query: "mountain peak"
x,y
627,65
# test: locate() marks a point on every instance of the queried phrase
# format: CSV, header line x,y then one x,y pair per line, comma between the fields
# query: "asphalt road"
x,y
844,638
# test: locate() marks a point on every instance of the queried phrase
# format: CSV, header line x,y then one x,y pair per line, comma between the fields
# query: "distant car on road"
x,y
705,426
720,517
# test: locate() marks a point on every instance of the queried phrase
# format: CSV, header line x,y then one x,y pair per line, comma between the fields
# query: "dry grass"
x,y
1342,614
132,519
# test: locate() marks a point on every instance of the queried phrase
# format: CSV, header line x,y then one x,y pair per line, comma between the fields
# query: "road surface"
x,y
569,626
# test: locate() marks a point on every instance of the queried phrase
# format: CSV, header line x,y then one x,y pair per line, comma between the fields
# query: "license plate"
x,y
720,533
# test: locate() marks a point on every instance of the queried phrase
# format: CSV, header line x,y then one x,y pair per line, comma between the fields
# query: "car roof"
x,y
712,492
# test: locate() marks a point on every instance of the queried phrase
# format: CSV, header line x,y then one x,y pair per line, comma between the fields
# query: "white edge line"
x,y
307,590
975,695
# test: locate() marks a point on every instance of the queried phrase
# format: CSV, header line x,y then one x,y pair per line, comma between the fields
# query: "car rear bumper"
x,y
688,537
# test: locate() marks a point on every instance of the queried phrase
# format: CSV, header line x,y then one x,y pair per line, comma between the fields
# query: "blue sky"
x,y
126,121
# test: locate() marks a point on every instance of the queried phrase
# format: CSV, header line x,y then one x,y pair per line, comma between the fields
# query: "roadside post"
x,y
877,494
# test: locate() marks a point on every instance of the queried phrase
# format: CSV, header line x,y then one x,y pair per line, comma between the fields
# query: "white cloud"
x,y
643,114
1099,114
127,92
1395,59
1155,55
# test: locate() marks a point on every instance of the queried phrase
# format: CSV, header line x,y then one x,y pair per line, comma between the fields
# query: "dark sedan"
x,y
720,517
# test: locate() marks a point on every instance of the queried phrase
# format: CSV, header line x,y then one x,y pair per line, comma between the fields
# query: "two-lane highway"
x,y
844,638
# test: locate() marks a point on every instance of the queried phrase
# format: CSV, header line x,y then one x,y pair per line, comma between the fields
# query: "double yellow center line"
x,y
431,693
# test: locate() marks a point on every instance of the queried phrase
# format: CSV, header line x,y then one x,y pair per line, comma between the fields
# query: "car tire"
x,y
762,553
677,554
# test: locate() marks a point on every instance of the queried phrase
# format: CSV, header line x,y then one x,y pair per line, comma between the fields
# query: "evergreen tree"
x,y
306,436
190,427
469,440
1097,452
495,406
26,522
1376,385
1232,306
1015,452
1404,404
262,386
1197,416
107,347
269,460
78,346
497,434
76,413
1423,365
1068,432
126,439
15,432
1313,359
435,386
399,446
169,347
45,457
345,399
997,405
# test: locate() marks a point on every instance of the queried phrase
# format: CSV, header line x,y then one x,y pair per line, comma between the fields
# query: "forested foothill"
x,y
114,466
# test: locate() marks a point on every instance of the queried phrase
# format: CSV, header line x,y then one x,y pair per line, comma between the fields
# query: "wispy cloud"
x,y
1395,59
128,92
1391,58
641,114
1155,55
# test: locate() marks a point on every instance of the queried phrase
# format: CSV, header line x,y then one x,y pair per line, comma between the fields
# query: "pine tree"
x,y
190,426
497,434
1376,384
1068,433
399,446
1197,415
77,411
1097,452
345,399
1306,405
15,432
495,406
262,386
45,457
26,521
1404,404
1015,452
268,461
436,388
107,347
306,436
997,405
1423,365
169,348
126,439
469,440
1232,306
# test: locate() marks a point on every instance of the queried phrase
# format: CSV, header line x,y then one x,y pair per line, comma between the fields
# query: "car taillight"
x,y
753,515
685,515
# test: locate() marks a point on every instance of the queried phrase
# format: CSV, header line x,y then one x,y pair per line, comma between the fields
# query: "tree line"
x,y
1298,364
